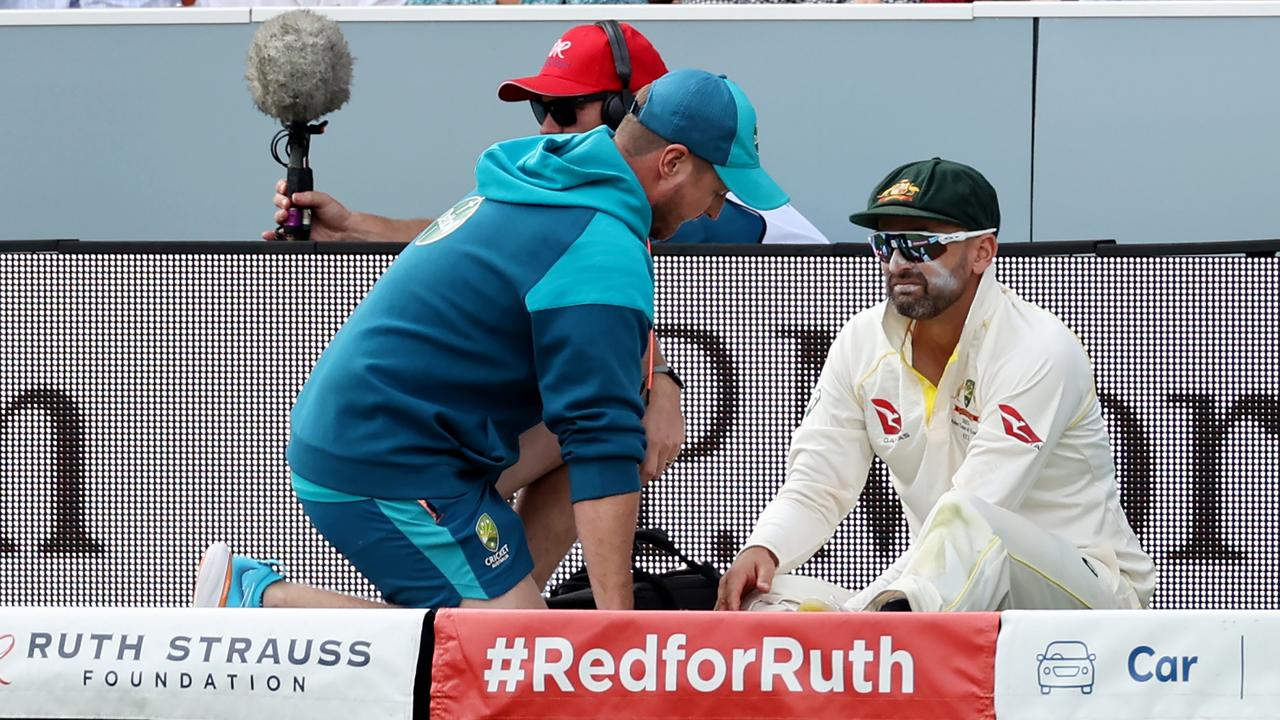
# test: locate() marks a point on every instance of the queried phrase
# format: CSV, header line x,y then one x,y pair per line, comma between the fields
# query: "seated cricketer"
x,y
983,407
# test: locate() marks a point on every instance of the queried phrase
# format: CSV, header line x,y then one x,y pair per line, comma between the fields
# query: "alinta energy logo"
x,y
7,643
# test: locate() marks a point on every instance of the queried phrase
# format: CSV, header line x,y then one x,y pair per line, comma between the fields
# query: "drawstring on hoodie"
x,y
653,332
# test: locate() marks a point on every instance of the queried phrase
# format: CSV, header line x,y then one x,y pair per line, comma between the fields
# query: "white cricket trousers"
x,y
972,555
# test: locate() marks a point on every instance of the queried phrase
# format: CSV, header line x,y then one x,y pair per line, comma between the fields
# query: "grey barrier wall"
x,y
145,391
1145,129
1157,129
151,130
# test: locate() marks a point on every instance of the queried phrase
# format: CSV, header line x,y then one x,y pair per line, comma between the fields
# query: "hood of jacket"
x,y
581,170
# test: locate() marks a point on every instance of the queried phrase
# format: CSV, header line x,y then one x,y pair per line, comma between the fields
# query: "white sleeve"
x,y
786,226
826,467
1032,402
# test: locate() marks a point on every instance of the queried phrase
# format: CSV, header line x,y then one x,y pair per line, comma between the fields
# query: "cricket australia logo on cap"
x,y
450,221
901,191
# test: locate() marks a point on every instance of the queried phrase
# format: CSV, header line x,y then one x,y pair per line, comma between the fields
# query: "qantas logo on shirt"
x,y
890,418
1017,428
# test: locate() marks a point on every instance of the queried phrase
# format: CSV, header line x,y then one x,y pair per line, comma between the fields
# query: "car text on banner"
x,y
1114,665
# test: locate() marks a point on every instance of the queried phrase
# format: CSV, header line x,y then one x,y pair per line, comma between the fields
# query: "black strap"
x,y
658,540
621,57
653,538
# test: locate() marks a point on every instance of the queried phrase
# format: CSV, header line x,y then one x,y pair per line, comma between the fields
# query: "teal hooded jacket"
x,y
530,300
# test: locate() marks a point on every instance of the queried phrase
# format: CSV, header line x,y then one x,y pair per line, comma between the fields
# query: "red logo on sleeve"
x,y
890,418
1015,427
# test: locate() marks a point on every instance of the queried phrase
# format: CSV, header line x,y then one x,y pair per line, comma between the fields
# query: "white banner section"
x,y
212,663
1114,665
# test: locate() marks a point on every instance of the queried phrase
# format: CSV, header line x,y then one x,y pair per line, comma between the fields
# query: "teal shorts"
x,y
425,553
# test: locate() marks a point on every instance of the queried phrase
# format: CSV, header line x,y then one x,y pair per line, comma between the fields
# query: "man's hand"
x,y
753,570
607,526
663,427
330,220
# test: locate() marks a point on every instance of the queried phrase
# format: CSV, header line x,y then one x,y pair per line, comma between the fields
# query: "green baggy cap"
x,y
934,189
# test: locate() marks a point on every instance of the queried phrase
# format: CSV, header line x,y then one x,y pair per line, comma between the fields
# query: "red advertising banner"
x,y
591,664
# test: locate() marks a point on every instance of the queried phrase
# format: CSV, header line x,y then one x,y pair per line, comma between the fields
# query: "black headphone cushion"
x,y
615,107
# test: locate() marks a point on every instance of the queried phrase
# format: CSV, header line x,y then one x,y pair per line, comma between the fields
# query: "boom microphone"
x,y
299,70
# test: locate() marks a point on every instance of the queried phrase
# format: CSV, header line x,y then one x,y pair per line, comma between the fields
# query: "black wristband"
x,y
669,372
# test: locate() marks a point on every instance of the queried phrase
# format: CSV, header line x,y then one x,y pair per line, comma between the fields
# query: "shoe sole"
x,y
213,581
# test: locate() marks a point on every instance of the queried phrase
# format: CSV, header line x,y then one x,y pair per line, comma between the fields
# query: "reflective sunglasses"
x,y
564,110
917,246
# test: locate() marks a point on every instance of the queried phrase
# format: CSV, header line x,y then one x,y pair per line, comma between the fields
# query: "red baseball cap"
x,y
581,63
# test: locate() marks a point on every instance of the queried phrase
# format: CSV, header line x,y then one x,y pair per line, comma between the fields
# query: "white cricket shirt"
x,y
1015,419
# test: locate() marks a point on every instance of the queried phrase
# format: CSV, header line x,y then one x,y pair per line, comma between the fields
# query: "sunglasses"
x,y
564,110
917,246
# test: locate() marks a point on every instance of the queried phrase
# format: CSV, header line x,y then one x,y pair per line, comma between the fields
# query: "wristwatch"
x,y
669,372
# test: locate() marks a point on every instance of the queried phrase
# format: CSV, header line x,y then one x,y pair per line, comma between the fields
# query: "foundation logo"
x,y
450,221
487,531
7,642
901,191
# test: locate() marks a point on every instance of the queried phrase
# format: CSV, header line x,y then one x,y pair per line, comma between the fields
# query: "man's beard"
x,y
664,223
934,297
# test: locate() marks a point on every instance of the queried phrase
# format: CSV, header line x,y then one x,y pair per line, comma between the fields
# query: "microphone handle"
x,y
297,226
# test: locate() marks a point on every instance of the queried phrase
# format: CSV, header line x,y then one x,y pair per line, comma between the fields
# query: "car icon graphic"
x,y
1066,664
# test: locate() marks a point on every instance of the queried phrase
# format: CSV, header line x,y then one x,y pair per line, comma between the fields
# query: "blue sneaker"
x,y
227,580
